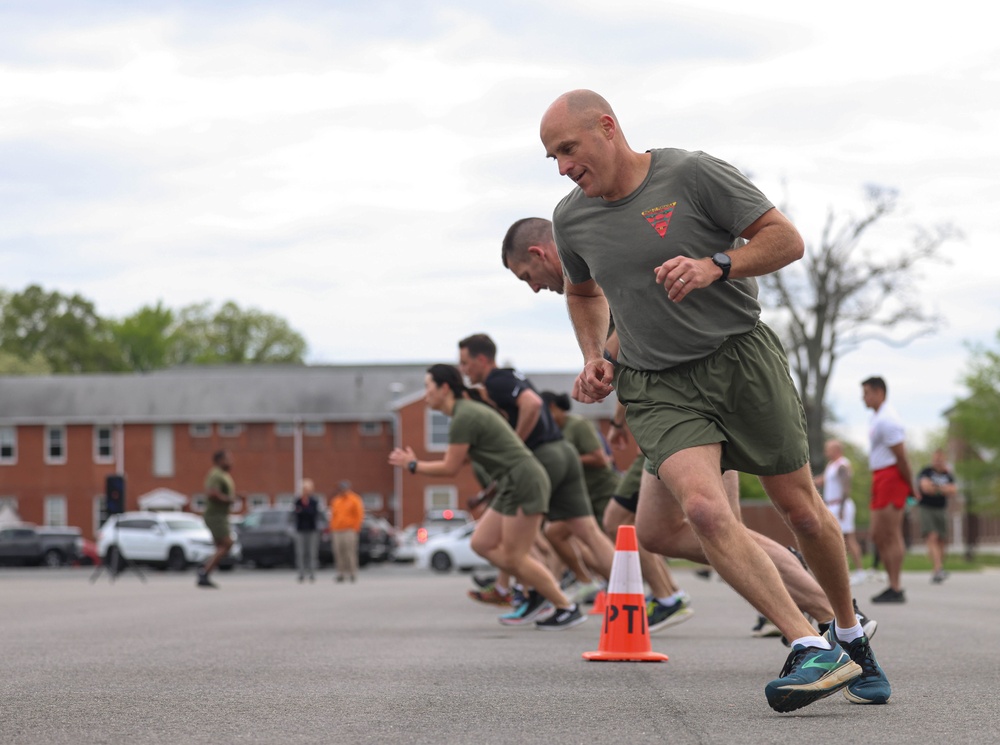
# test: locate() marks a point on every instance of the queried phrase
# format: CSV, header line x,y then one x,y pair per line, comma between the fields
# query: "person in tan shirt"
x,y
346,514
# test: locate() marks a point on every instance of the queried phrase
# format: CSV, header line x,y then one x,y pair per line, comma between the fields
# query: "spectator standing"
x,y
937,486
306,511
892,485
346,513
835,482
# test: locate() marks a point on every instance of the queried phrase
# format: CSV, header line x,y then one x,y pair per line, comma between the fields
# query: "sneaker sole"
x,y
789,698
855,699
672,620
571,624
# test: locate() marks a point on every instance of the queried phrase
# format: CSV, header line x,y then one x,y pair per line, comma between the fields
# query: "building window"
x,y
258,501
440,497
200,429
373,501
8,445
55,445
314,429
370,429
163,450
437,425
104,443
285,500
230,429
8,501
284,429
55,510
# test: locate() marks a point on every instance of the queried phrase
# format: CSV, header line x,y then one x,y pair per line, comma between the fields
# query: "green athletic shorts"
x,y
218,526
933,520
741,395
569,489
526,487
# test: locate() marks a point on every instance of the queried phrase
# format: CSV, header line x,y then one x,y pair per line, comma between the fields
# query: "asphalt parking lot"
x,y
404,656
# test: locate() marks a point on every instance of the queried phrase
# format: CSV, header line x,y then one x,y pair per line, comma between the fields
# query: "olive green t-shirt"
x,y
492,442
690,204
221,481
582,435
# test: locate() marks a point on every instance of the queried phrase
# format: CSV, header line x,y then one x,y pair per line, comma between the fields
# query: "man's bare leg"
x,y
670,534
819,536
693,477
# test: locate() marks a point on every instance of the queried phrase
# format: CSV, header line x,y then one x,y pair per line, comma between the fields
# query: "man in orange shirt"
x,y
346,513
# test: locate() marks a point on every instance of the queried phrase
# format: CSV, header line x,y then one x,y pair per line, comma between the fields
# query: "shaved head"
x,y
584,104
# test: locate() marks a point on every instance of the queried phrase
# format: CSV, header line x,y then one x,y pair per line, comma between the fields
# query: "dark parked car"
x,y
267,538
20,546
61,545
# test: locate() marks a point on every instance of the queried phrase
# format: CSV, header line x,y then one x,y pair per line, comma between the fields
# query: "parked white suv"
x,y
168,539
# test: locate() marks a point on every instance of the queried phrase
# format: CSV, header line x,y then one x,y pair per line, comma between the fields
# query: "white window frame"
x,y
284,429
164,463
98,457
285,499
10,500
370,429
50,429
229,429
436,489
200,429
55,510
8,439
258,501
373,501
313,429
436,427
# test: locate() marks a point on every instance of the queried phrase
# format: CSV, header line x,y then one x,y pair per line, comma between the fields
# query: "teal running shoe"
x,y
810,674
872,686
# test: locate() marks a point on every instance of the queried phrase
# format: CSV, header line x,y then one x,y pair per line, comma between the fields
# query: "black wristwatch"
x,y
411,466
724,263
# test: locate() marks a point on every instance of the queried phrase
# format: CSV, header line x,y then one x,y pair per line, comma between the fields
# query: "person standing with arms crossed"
x,y
836,485
647,236
220,489
892,485
306,509
937,486
346,513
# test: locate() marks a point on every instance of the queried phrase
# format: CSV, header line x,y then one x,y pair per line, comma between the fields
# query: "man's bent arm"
x,y
773,243
590,314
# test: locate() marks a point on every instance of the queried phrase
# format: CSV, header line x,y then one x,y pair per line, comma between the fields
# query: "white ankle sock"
x,y
813,641
849,634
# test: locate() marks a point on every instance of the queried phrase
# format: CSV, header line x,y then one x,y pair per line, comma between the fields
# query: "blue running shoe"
x,y
872,686
530,610
810,674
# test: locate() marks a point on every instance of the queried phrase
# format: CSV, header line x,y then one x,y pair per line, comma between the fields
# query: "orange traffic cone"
x,y
624,632
599,602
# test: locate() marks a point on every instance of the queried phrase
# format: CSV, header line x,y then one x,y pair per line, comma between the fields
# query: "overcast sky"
x,y
352,166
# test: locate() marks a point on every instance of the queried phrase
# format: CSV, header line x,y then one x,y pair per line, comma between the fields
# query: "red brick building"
x,y
61,436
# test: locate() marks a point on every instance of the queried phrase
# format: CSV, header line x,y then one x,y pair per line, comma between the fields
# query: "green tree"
x,y
146,338
975,426
12,365
64,330
851,286
232,335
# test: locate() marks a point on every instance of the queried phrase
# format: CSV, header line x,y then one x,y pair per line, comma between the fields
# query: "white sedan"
x,y
450,550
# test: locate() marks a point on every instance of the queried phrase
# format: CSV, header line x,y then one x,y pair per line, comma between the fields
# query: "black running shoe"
x,y
890,596
563,618
204,581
